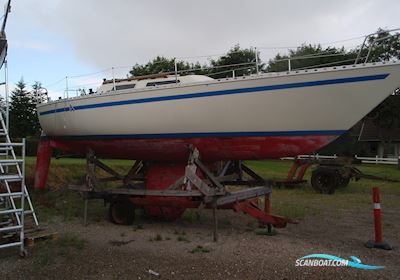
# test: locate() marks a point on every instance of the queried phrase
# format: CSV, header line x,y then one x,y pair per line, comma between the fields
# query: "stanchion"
x,y
378,242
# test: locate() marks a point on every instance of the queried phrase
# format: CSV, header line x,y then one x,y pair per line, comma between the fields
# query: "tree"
x,y
161,65
242,61
35,95
23,118
307,56
384,46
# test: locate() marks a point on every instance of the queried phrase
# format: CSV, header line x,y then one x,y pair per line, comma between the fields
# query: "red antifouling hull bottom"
x,y
177,149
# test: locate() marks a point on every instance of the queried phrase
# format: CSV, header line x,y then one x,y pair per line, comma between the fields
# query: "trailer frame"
x,y
201,186
328,174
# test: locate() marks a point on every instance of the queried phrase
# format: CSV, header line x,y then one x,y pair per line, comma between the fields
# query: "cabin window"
x,y
120,87
152,84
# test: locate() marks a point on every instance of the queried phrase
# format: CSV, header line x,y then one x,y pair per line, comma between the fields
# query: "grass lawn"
x,y
297,202
302,201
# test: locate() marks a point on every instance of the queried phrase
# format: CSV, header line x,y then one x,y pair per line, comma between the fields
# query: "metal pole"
x,y
362,47
176,70
113,75
378,241
377,214
215,221
398,163
7,104
289,65
369,51
66,86
85,210
256,53
233,73
6,97
22,249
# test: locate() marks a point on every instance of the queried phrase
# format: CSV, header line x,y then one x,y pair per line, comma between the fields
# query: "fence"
x,y
374,160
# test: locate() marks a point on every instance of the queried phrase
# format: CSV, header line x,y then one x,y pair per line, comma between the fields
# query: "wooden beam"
x,y
137,192
108,169
201,186
177,183
133,171
243,195
209,175
252,173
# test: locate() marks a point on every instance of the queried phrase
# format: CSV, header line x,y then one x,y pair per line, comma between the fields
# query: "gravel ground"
x,y
129,252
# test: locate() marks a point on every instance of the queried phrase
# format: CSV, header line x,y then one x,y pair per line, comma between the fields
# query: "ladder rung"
x,y
10,161
5,148
18,210
6,223
10,228
26,212
13,194
11,244
11,178
11,144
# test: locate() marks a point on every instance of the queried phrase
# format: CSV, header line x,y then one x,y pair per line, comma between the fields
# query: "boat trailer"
x,y
166,189
328,174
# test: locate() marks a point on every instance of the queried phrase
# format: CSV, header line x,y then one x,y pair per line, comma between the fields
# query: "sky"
x,y
52,39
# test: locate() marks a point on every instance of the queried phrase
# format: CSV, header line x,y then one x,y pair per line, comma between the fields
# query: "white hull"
x,y
331,100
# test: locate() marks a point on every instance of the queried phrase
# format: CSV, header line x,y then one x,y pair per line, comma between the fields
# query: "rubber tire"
x,y
343,181
121,212
324,180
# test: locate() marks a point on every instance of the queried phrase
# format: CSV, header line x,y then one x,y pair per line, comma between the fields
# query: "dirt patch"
x,y
184,249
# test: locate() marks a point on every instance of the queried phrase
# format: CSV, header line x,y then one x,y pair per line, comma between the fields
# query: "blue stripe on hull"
x,y
207,134
222,92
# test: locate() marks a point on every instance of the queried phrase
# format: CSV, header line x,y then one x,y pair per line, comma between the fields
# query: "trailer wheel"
x,y
343,181
121,212
324,180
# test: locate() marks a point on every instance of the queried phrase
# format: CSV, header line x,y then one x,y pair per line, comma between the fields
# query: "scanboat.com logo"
x,y
330,260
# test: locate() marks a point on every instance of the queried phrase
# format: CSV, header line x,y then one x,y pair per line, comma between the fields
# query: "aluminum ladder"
x,y
12,201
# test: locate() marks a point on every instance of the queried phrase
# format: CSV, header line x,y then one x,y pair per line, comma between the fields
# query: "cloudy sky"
x,y
51,39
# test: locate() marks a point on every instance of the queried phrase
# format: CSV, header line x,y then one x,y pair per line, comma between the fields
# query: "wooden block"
x,y
34,237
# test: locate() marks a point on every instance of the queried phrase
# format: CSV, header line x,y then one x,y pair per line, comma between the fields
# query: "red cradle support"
x,y
251,208
292,171
298,167
160,176
43,159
